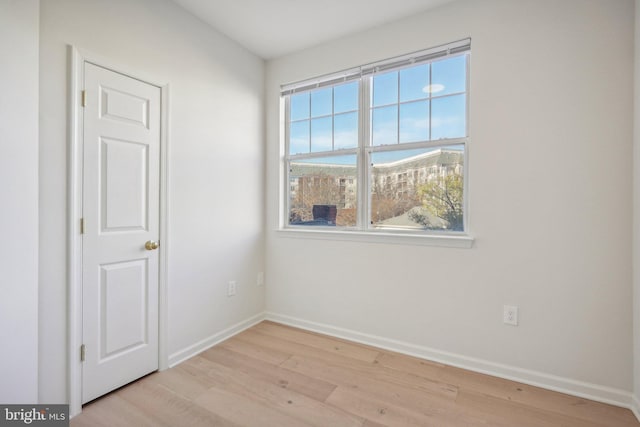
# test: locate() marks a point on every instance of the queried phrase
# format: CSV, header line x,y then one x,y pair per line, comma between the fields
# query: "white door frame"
x,y
77,58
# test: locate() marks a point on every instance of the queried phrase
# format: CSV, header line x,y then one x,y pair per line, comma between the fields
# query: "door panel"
x,y
123,307
124,107
123,193
121,157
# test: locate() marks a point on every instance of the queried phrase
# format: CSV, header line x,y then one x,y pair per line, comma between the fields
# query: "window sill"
x,y
449,241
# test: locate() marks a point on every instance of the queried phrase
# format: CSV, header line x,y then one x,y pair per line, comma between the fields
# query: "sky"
x,y
421,103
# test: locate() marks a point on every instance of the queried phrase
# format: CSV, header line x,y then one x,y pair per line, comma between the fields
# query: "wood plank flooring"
x,y
275,375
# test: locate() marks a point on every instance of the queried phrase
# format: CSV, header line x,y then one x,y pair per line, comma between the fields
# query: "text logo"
x,y
34,415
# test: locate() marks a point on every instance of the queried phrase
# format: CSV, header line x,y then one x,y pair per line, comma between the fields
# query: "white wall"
x,y
19,200
215,164
550,178
636,215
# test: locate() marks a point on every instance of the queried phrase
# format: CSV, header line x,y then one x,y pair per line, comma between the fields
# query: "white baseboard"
x,y
585,390
635,406
200,346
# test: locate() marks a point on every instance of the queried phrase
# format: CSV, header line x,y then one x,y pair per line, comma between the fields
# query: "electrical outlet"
x,y
231,288
260,279
510,315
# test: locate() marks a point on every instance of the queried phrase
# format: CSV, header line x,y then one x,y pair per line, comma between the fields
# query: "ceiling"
x,y
272,28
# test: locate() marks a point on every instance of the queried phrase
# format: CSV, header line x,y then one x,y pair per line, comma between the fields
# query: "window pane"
x,y
384,125
448,117
300,106
323,192
418,189
321,135
449,76
385,89
345,134
414,121
345,98
413,82
321,102
299,137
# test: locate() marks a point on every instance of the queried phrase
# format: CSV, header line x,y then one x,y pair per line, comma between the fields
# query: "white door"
x,y
121,159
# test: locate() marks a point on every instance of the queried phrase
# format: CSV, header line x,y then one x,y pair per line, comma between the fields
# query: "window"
x,y
381,147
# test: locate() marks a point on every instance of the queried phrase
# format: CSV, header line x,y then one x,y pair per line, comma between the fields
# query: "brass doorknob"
x,y
151,245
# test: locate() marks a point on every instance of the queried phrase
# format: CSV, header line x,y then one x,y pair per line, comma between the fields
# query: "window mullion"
x,y
287,191
398,109
310,119
284,219
430,103
333,120
364,191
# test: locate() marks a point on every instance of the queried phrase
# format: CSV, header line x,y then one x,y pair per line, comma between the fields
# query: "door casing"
x,y
77,58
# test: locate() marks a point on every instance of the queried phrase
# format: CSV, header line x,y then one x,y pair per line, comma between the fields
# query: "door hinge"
x,y
82,352
84,98
81,225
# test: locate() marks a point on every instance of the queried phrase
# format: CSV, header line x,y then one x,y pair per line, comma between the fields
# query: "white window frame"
x,y
363,152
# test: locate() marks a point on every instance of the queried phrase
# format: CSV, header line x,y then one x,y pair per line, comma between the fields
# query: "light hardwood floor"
x,y
274,375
